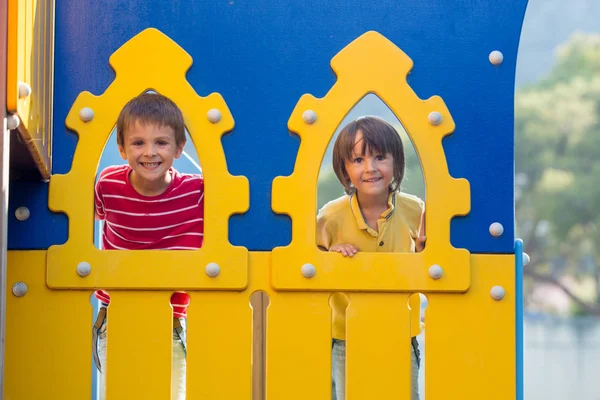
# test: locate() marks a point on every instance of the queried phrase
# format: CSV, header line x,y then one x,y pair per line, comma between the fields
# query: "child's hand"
x,y
420,243
347,250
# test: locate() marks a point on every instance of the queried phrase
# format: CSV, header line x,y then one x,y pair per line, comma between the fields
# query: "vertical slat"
x,y
299,346
259,303
219,360
377,347
48,335
139,341
475,335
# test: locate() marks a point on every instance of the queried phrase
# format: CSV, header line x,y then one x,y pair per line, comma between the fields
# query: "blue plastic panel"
x,y
262,56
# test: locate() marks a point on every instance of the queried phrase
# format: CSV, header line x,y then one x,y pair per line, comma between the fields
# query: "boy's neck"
x,y
150,188
370,204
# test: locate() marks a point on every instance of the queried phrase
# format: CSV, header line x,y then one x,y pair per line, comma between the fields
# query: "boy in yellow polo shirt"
x,y
374,216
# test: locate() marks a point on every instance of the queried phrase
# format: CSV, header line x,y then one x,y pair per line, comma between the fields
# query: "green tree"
x,y
557,146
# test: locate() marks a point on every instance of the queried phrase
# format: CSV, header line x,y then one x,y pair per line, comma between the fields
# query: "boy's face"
x,y
370,173
150,151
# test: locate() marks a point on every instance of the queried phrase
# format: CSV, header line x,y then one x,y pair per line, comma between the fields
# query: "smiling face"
x,y
368,157
370,172
150,150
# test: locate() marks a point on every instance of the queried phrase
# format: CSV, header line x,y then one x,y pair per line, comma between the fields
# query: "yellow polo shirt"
x,y
341,221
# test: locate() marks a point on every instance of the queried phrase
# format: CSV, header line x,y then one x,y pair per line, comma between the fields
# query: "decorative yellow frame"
x,y
371,64
150,60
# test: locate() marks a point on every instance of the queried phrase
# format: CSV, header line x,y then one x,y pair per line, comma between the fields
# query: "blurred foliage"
x,y
557,183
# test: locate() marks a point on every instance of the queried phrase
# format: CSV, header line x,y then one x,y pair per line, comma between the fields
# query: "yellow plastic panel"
x,y
30,61
48,335
371,64
470,338
299,346
219,346
137,71
138,347
377,347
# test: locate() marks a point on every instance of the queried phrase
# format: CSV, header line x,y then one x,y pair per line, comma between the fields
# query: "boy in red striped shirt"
x,y
147,204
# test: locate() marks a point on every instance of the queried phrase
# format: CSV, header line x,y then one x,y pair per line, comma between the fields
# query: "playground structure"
x,y
257,72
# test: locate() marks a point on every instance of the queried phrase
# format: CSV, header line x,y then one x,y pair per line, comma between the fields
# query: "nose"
x,y
149,150
369,164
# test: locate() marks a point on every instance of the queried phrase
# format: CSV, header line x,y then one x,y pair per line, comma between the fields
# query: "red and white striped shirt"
x,y
173,220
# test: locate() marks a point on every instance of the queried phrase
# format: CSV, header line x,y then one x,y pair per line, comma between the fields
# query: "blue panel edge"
x,y
519,315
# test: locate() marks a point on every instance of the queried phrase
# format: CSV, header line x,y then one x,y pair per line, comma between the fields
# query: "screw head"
x,y
24,90
496,57
435,118
214,115
497,293
19,289
212,269
309,116
86,114
496,229
308,270
12,121
22,213
84,269
435,272
526,259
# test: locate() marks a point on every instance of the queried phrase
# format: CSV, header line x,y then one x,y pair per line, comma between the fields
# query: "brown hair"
x,y
151,108
378,136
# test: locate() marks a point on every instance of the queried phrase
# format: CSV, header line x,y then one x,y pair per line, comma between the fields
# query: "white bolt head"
x,y
496,57
19,289
84,269
86,114
22,213
435,118
496,229
435,272
308,270
526,259
214,115
309,116
24,90
12,121
497,293
212,269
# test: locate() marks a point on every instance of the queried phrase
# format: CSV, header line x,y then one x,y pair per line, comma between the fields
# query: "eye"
x,y
357,160
162,143
380,157
137,143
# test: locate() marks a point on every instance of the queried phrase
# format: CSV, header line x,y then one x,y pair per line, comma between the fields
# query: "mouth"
x,y
150,165
371,180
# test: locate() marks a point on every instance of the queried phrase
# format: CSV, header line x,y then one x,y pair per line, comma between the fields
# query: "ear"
x,y
122,152
179,149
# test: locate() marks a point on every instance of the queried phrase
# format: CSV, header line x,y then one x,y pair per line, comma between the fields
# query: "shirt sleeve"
x,y
98,200
323,236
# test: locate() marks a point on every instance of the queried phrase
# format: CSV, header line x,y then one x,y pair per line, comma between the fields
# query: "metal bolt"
x,y
309,116
497,293
435,118
212,269
496,57
308,270
22,213
214,115
435,272
496,229
86,114
19,289
84,269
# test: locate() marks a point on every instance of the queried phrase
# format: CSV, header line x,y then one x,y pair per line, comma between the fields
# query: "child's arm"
x,y
325,239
